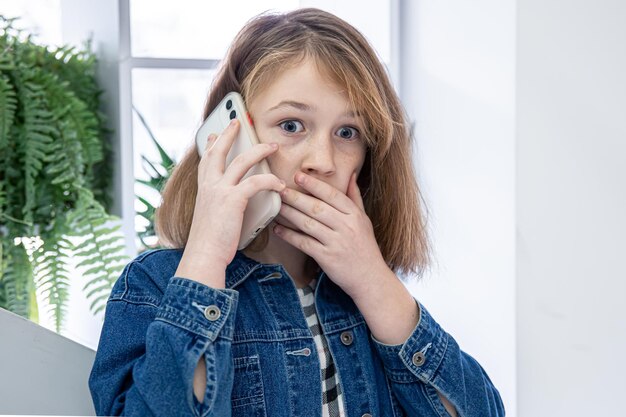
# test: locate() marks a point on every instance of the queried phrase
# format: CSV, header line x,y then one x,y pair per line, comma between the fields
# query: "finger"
x,y
242,163
210,141
219,150
354,193
305,243
325,192
312,207
305,223
260,182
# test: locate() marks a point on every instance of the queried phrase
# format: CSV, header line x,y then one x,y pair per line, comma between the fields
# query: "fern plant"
x,y
55,175
159,172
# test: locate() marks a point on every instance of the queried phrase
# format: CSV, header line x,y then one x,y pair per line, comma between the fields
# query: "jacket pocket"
x,y
247,397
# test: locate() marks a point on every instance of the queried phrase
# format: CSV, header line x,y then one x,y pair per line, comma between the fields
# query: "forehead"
x,y
303,81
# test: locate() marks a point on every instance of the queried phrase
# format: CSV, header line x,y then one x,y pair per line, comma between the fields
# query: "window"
x,y
39,17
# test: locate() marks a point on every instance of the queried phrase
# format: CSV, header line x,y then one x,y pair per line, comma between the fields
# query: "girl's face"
x,y
311,120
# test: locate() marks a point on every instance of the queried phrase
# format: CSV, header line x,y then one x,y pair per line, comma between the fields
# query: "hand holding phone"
x,y
237,193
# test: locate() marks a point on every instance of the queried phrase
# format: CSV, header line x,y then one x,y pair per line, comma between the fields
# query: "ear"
x,y
354,193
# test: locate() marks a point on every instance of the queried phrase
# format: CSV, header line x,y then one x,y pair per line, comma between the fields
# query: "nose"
x,y
320,156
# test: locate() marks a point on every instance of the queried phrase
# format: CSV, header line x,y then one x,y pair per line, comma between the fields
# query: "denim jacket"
x,y
254,337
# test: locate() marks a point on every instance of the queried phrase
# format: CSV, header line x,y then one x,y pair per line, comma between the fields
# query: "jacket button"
x,y
346,338
419,359
366,415
212,312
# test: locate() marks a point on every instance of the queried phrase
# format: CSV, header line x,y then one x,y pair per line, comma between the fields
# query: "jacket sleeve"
x,y
151,343
429,361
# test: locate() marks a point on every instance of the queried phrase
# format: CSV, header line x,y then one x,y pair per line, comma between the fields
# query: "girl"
x,y
311,319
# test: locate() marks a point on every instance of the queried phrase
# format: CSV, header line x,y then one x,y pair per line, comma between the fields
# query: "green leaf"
x,y
55,173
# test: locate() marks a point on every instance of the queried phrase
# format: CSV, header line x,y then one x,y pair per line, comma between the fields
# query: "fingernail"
x,y
232,122
274,145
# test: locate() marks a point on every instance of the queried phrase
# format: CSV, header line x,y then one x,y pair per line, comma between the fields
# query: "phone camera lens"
x,y
229,104
233,114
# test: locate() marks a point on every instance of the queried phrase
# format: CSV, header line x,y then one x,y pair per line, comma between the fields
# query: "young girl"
x,y
311,318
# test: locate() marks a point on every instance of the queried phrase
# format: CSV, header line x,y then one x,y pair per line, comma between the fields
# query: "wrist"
x,y
371,282
201,247
198,267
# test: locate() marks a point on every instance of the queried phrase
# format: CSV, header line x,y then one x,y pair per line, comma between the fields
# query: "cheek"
x,y
279,164
262,133
360,166
267,131
349,159
278,161
353,160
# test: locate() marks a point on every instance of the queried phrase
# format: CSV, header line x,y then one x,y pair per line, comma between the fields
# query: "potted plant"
x,y
159,172
55,174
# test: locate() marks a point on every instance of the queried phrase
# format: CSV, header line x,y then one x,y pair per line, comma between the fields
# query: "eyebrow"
x,y
305,107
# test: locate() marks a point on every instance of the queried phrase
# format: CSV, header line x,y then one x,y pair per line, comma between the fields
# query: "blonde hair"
x,y
270,43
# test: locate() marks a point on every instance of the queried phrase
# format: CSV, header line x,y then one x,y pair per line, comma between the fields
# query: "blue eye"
x,y
291,126
347,132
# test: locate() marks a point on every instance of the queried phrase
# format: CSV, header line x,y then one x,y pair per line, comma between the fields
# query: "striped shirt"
x,y
332,395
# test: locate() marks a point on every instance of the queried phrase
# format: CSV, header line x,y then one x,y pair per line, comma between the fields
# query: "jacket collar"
x,y
340,307
242,267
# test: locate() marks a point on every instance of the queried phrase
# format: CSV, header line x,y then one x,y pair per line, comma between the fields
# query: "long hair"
x,y
270,43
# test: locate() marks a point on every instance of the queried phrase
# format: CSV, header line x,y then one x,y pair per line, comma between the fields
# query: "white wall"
x,y
521,146
457,77
571,207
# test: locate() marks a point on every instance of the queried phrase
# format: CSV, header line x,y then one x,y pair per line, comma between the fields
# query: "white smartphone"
x,y
263,206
